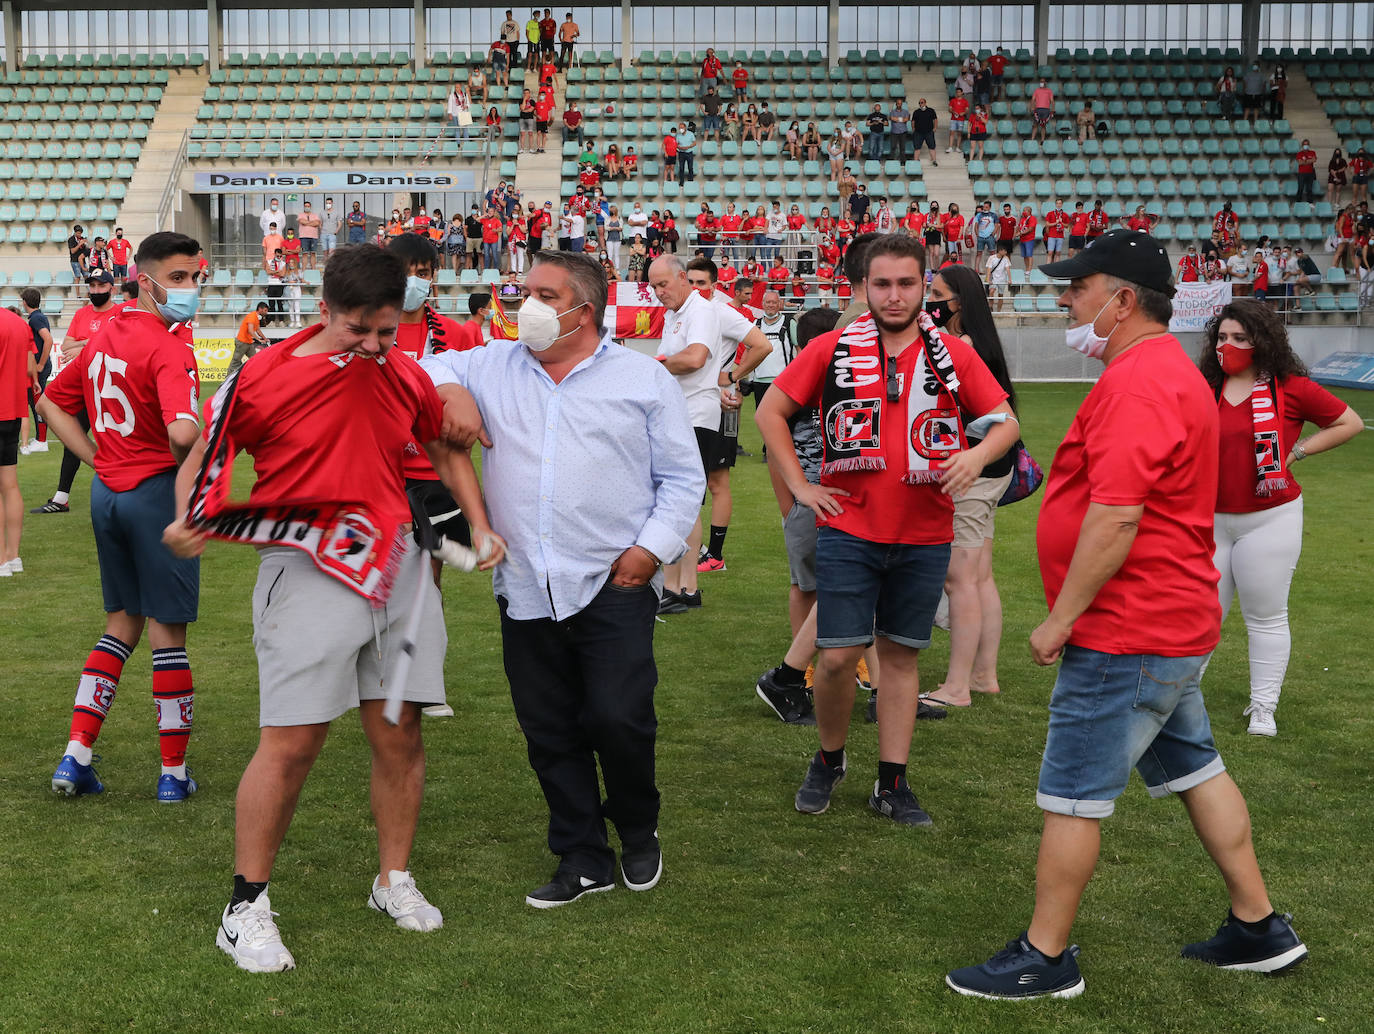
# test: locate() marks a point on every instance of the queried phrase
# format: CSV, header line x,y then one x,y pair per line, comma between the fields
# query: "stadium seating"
x,y
1342,85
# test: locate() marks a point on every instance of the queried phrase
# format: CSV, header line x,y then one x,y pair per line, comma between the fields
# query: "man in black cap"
x,y
1125,545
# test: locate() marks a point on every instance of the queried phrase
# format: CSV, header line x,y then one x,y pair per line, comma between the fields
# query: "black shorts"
x,y
716,450
9,443
934,238
541,125
1076,241
431,499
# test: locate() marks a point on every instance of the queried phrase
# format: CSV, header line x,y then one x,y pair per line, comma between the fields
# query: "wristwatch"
x,y
1299,453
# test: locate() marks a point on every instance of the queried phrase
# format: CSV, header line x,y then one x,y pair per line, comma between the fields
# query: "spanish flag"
x,y
502,326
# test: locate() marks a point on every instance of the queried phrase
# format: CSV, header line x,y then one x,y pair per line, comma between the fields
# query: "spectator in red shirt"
x,y
958,120
997,64
710,71
1006,229
977,132
1056,222
1042,109
572,122
1307,173
491,240
1360,166
1190,266
543,114
1078,229
730,249
1098,221
1141,220
1125,542
707,225
778,275
120,250
740,78
670,155
1025,234
1247,351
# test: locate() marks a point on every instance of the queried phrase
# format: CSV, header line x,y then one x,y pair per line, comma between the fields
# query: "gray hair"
x,y
585,274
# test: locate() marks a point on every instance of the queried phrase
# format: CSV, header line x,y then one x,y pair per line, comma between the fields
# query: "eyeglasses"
x,y
894,385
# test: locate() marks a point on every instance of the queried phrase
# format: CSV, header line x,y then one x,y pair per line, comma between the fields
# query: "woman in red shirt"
x,y
669,156
795,220
1360,167
914,222
1142,220
754,229
954,234
1345,238
1257,378
825,224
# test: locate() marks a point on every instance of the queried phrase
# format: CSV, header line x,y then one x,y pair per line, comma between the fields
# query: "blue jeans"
x,y
875,145
876,588
491,255
686,165
1112,712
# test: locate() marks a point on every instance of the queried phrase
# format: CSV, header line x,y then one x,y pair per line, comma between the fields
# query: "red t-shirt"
x,y
86,322
133,379
825,273
997,63
1097,222
1078,224
1307,160
880,507
844,229
1026,227
825,224
1260,281
572,118
953,227
547,27
727,275
777,275
491,230
1146,434
740,77
1358,167
1304,401
843,288
414,340
1006,227
958,107
1055,221
729,226
830,252
977,124
670,146
16,345
543,107
796,222
298,418
1138,222
120,250
706,228
710,68
798,288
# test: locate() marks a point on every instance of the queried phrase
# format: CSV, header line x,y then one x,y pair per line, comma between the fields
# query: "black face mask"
x,y
99,299
939,311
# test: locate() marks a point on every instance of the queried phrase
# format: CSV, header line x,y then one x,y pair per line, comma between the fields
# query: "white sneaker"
x,y
24,449
404,903
5,570
16,566
1261,721
437,711
36,446
248,935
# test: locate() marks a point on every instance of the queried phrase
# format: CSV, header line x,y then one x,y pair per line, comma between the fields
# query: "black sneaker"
x,y
671,603
871,712
814,795
641,867
926,712
691,599
565,888
790,703
1272,950
899,805
1020,972
52,507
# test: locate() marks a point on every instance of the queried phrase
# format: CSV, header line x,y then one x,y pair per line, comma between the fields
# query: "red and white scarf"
x,y
1266,413
346,540
854,396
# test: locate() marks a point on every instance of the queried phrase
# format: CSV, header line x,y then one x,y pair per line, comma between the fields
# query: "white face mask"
x,y
536,324
1085,339
417,290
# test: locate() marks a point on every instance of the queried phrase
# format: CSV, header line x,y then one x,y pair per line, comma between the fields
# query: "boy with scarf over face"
x,y
893,392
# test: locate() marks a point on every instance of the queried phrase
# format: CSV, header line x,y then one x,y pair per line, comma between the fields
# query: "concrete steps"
x,y
1308,120
537,176
947,182
175,115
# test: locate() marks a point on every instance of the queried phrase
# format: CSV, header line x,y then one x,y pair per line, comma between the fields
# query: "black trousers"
x,y
70,463
275,305
583,690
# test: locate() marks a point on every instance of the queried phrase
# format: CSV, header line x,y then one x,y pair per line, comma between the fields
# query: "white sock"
x,y
61,497
80,751
174,770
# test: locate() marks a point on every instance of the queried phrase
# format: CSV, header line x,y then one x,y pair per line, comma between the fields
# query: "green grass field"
x,y
765,920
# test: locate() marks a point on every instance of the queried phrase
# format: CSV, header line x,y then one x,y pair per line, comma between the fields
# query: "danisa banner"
x,y
352,181
1195,304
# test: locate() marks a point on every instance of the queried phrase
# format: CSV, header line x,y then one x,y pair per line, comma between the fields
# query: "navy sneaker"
x,y
813,797
1273,949
1020,972
74,779
171,790
790,703
900,805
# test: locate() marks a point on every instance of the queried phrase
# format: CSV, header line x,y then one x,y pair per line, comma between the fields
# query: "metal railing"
x,y
173,187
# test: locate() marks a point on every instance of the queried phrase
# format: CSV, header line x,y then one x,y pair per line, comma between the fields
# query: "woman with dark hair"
x,y
1335,177
957,302
934,236
1247,360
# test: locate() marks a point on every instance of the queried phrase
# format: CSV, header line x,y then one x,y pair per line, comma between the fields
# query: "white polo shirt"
x,y
697,323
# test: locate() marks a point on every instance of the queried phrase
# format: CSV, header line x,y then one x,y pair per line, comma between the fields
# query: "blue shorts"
x,y
309,244
329,241
1111,712
138,574
1027,249
1053,244
876,588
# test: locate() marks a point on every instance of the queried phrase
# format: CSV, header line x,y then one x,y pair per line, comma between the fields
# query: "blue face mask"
x,y
417,290
181,304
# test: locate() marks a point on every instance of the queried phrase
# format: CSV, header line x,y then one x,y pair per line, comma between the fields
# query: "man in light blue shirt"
x,y
594,480
686,154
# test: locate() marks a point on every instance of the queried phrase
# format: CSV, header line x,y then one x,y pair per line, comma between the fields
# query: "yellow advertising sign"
x,y
213,356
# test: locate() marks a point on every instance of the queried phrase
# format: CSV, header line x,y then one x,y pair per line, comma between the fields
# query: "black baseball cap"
x,y
100,276
1130,255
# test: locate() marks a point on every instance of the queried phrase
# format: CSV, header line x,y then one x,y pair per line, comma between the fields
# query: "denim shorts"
x,y
876,588
1110,712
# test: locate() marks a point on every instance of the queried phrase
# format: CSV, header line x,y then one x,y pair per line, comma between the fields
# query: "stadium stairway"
x,y
538,175
1308,119
175,116
949,181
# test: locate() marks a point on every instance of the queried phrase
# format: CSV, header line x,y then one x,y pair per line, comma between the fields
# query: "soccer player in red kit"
x,y
327,415
138,383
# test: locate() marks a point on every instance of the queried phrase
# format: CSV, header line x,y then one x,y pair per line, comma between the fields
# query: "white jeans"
x,y
517,260
613,253
293,302
1256,556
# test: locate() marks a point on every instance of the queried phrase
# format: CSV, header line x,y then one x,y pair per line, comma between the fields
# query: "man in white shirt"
x,y
272,214
692,351
1238,267
743,347
591,475
510,35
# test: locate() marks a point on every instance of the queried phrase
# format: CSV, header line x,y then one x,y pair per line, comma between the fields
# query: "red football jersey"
x,y
133,379
416,341
331,427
